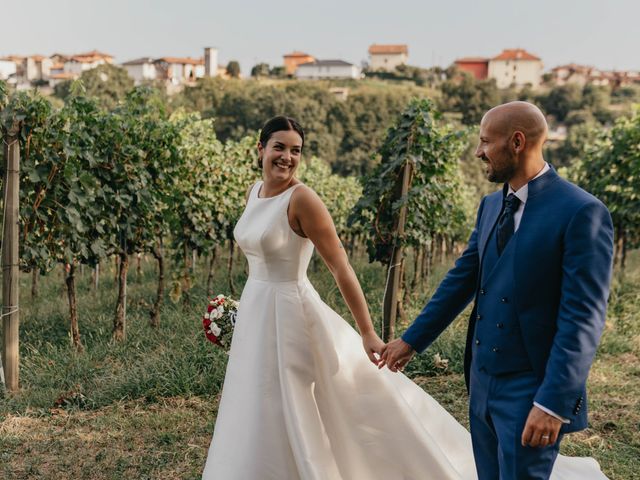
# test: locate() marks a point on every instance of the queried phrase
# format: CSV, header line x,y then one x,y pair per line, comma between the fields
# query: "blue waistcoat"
x,y
497,345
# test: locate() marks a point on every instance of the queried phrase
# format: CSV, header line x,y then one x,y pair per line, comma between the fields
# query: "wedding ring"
x,y
545,436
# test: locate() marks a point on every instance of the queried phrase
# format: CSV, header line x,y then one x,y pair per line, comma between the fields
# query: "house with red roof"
x,y
387,57
76,64
179,70
478,67
516,67
294,59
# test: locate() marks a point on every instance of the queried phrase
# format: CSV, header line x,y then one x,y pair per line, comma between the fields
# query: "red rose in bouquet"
x,y
219,320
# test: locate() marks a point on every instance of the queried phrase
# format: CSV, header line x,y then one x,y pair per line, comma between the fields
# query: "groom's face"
x,y
493,149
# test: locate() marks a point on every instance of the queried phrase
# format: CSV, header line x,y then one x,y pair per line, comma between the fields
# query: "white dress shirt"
x,y
523,193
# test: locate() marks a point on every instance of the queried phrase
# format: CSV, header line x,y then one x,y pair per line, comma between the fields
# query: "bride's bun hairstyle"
x,y
278,124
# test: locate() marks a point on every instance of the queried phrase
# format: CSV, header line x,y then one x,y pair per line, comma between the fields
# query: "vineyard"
x,y
125,228
105,186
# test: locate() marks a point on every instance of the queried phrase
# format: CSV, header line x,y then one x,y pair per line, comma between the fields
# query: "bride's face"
x,y
281,155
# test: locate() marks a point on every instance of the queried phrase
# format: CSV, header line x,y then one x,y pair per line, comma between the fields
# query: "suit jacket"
x,y
561,260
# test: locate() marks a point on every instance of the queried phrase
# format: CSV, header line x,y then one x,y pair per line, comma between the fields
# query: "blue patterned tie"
x,y
506,224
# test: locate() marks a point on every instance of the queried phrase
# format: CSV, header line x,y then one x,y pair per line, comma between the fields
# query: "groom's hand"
x,y
541,429
396,354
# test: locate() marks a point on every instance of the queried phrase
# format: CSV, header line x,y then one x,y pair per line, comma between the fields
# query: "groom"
x,y
538,267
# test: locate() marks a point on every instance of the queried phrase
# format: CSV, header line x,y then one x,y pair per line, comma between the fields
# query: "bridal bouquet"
x,y
219,320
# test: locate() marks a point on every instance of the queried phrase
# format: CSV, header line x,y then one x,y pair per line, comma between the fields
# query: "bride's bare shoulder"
x,y
248,193
305,201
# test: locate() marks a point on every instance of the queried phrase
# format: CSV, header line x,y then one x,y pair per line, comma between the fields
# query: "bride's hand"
x,y
372,345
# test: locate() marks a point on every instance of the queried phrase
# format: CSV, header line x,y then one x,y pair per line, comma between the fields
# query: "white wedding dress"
x,y
301,400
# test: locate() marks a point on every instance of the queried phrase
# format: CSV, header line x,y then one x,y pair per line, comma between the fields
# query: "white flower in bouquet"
x,y
215,329
220,310
206,315
215,314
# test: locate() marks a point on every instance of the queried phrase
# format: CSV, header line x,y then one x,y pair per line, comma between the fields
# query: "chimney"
x,y
210,62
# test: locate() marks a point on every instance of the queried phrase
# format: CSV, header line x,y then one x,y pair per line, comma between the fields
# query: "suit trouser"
x,y
498,410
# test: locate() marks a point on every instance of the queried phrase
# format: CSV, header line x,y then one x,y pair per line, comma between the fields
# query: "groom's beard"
x,y
500,171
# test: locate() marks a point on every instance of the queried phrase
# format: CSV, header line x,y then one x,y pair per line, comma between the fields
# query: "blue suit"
x,y
538,316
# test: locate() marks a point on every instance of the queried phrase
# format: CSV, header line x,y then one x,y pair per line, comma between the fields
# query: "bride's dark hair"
x,y
278,124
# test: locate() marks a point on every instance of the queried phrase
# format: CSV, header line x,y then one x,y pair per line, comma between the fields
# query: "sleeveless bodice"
x,y
274,251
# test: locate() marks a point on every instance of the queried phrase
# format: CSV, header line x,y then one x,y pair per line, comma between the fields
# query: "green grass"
x,y
145,408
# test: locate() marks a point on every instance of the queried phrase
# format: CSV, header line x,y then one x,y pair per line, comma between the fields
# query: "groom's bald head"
x,y
518,116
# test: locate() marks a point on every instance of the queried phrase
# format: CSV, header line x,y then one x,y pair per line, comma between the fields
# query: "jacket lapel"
x,y
489,222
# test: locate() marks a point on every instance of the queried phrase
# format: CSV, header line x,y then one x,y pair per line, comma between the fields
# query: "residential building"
x,y
59,77
478,67
387,57
179,70
8,68
573,73
211,66
326,69
294,59
516,67
583,75
77,64
37,68
141,70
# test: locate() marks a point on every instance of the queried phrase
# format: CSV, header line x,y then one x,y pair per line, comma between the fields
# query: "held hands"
x,y
396,354
373,346
541,429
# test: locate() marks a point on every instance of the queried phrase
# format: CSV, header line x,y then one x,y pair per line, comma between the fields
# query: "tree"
x,y
561,100
411,195
260,70
62,218
596,100
143,166
610,171
109,84
278,71
195,212
469,97
233,69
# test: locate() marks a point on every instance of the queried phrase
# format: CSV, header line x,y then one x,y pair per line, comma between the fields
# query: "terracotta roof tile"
x,y
63,76
297,54
180,60
94,53
515,54
472,60
388,49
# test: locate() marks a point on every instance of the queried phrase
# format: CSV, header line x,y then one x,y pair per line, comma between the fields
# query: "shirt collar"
x,y
523,192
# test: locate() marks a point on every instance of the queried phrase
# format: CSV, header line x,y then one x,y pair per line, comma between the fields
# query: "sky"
x,y
598,33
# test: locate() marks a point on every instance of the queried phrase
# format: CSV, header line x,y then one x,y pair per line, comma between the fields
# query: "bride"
x,y
300,399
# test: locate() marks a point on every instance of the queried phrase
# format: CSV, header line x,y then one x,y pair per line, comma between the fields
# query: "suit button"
x,y
483,291
504,300
477,342
478,317
500,325
495,350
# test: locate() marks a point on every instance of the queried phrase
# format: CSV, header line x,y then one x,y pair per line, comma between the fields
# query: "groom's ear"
x,y
518,141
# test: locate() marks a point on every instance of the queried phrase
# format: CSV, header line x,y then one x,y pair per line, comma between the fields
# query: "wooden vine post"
x,y
396,264
10,272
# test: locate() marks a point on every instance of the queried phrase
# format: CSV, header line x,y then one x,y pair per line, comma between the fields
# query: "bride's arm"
x,y
311,218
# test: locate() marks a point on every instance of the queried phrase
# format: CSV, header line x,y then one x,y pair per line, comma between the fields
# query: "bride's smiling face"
x,y
281,155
